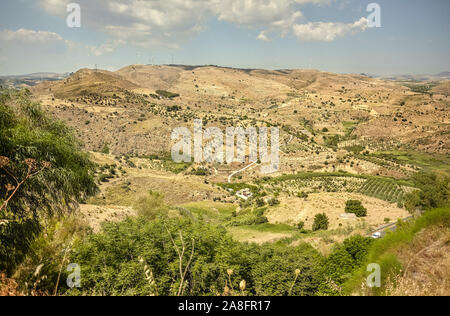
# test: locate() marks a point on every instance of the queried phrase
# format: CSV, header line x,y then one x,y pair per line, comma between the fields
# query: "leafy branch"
x,y
33,169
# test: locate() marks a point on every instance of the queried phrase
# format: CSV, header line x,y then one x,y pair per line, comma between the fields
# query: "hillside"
x,y
415,260
303,101
86,82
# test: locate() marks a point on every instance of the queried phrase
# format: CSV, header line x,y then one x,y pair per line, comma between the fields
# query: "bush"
x,y
385,251
47,255
110,261
300,225
167,94
355,207
260,202
105,149
321,222
302,195
30,140
273,202
150,205
344,259
433,193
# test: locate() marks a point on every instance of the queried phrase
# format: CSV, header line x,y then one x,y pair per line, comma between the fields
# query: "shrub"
x,y
167,94
355,207
260,202
300,225
273,202
150,205
321,222
29,139
433,192
110,261
344,259
105,149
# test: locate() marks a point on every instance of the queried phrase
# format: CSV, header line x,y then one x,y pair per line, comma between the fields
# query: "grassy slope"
x,y
395,252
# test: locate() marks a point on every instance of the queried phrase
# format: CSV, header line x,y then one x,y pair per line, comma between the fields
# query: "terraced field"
x,y
385,189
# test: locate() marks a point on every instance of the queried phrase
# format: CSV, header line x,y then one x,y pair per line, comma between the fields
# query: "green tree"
x,y
355,207
433,192
110,261
321,222
344,259
42,173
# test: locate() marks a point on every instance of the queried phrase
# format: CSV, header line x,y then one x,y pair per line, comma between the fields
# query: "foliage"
x,y
273,202
29,140
355,207
433,192
303,195
332,141
384,251
249,217
105,149
110,263
167,94
150,205
49,253
321,222
342,262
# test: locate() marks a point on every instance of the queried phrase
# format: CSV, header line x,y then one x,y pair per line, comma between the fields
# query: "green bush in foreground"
x,y
342,262
111,261
40,158
383,251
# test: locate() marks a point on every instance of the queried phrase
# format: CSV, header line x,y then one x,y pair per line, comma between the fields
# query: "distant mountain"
x,y
423,77
30,79
38,75
445,74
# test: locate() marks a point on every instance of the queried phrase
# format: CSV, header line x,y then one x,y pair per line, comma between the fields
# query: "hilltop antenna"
x,y
96,68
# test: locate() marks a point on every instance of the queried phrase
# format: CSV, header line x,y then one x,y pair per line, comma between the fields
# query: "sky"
x,y
329,35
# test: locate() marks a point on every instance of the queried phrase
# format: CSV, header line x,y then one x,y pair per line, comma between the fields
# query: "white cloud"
x,y
263,37
255,12
148,23
328,31
105,48
55,7
29,36
38,39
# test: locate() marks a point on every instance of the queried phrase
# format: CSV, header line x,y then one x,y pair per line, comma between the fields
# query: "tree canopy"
x,y
42,173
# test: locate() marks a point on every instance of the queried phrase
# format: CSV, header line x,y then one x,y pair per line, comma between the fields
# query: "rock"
x,y
348,216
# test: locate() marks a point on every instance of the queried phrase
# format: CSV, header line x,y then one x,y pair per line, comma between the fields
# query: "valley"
x,y
343,137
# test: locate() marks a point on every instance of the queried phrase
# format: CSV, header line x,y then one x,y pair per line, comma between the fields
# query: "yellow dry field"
x,y
244,234
146,176
295,210
96,215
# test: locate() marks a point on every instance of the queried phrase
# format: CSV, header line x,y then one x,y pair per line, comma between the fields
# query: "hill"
x,y
86,82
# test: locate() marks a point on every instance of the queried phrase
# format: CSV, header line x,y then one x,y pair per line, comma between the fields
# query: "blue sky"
x,y
329,35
